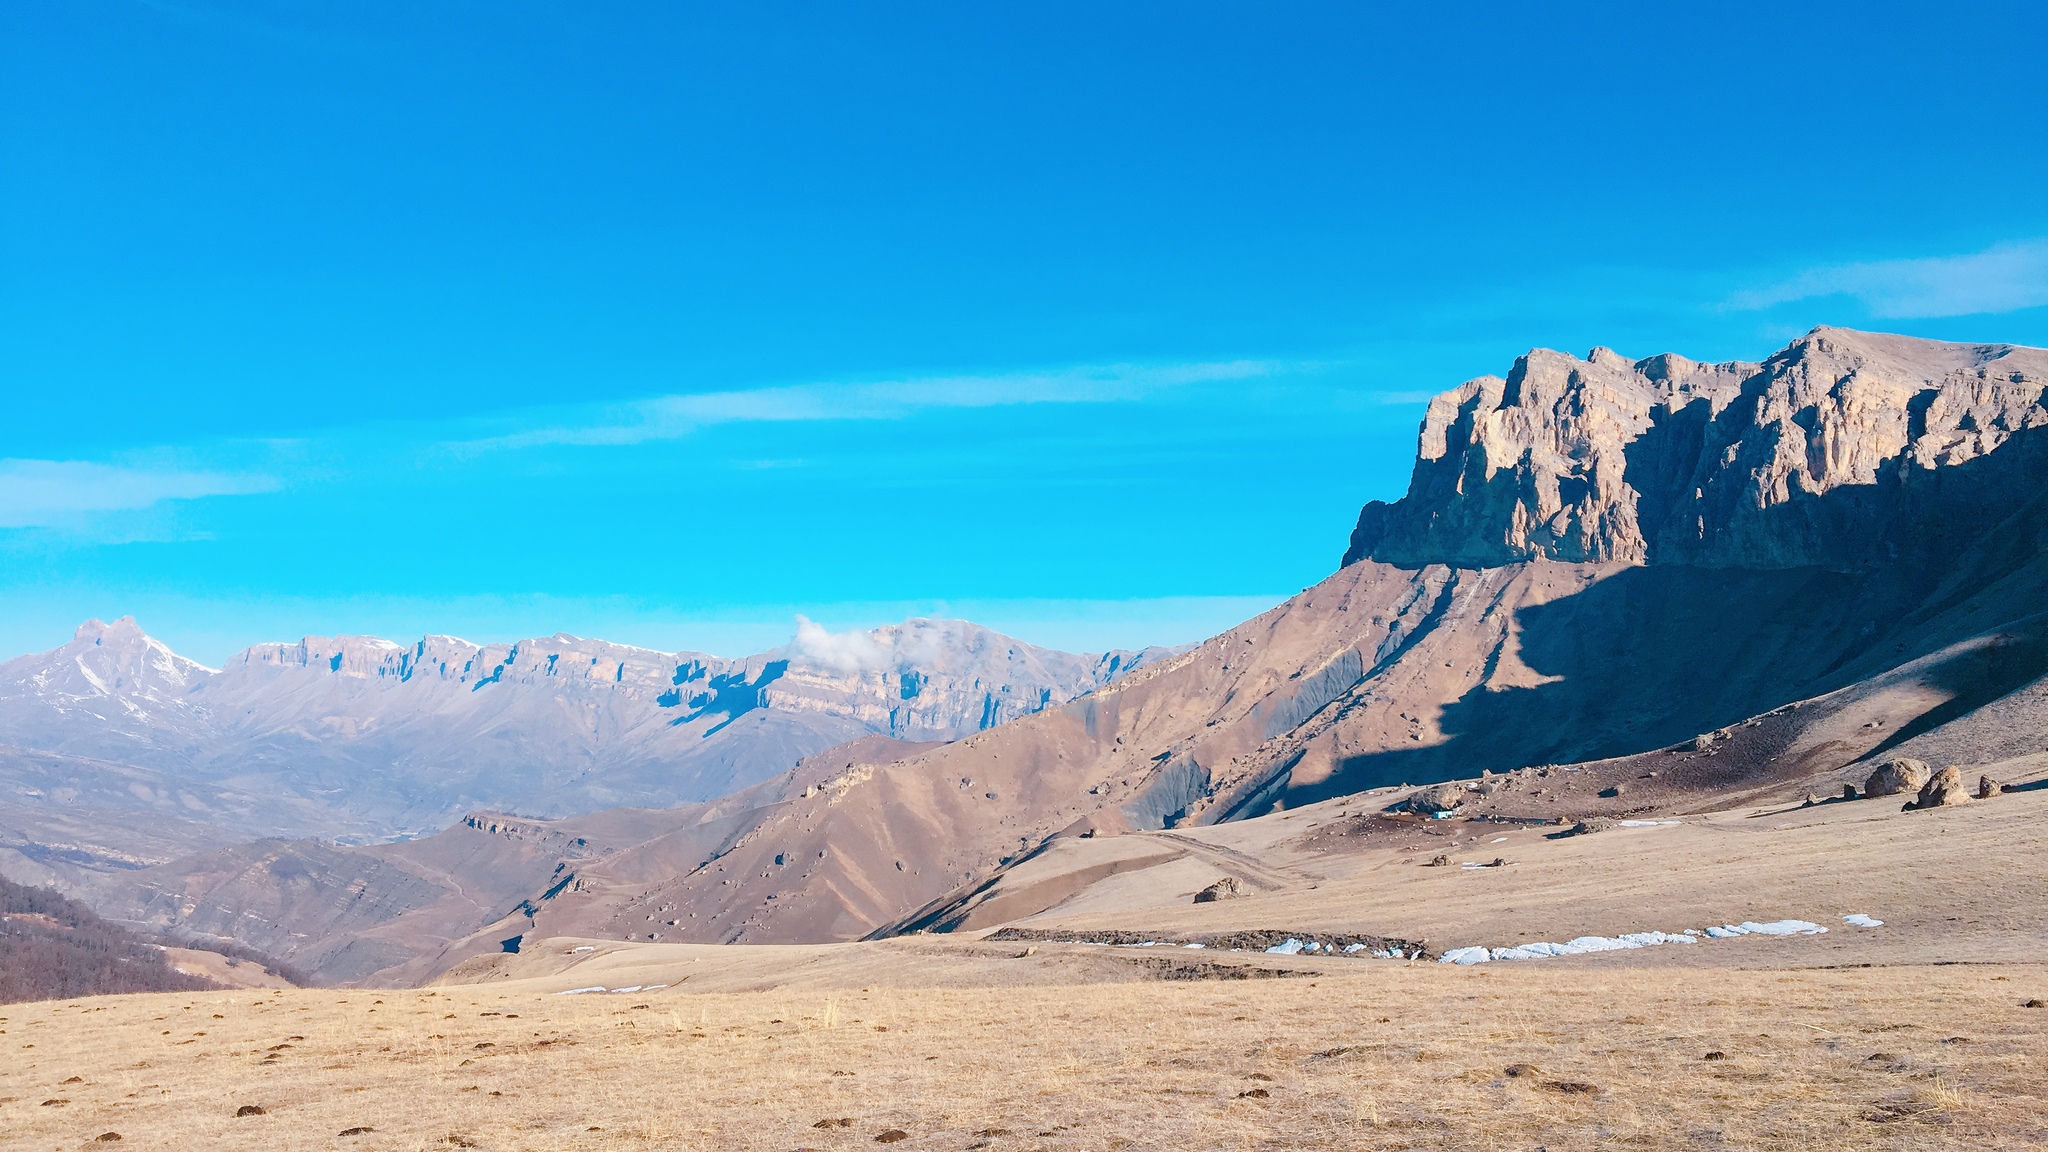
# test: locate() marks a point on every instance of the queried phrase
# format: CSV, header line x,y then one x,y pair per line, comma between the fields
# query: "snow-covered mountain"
x,y
393,738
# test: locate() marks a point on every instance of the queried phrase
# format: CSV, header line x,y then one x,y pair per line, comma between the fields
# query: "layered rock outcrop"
x,y
1830,453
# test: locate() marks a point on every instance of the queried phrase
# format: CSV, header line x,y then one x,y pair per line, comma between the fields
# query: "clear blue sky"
x,y
1095,322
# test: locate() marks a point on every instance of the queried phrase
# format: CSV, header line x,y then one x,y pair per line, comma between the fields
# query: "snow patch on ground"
x,y
1584,945
1862,921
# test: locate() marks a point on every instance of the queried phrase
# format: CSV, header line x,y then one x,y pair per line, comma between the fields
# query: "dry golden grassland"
x,y
1383,1056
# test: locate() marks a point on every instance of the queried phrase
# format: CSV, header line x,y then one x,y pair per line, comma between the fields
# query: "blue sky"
x,y
1092,322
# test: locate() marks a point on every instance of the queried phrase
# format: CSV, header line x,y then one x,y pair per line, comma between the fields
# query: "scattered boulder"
x,y
1571,1087
1848,791
1435,798
1899,776
891,1136
1716,1054
1438,862
360,1130
107,1138
1589,826
1945,789
2033,1004
1611,792
1987,788
1225,889
835,1122
250,1110
1254,1094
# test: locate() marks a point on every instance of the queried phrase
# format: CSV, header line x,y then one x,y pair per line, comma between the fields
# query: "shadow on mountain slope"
x,y
1651,656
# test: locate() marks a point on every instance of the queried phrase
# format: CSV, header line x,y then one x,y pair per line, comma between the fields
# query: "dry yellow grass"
x,y
1372,1056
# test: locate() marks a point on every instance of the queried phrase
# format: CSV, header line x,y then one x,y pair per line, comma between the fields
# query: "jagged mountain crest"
x,y
398,736
1820,455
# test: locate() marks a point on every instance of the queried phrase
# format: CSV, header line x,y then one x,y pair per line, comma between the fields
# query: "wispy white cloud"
x,y
844,652
49,493
2002,278
671,417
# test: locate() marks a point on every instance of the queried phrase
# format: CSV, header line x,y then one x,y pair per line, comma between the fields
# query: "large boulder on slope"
x,y
1945,789
1436,798
1900,776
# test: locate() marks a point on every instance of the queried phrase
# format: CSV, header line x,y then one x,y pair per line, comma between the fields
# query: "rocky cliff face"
x,y
1831,453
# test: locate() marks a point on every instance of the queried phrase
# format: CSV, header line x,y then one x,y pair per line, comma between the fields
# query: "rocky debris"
x,y
2033,1004
1254,1094
1519,1070
835,1122
1434,799
107,1138
1612,791
250,1110
1902,775
1716,1054
1225,889
360,1130
1571,1087
1944,790
1254,940
891,1136
1438,861
1163,969
1987,788
1586,827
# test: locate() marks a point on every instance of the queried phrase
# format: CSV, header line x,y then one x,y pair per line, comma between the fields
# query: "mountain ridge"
x,y
392,740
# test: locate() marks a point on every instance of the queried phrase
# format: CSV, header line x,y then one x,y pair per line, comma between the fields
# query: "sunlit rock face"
x,y
1829,453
